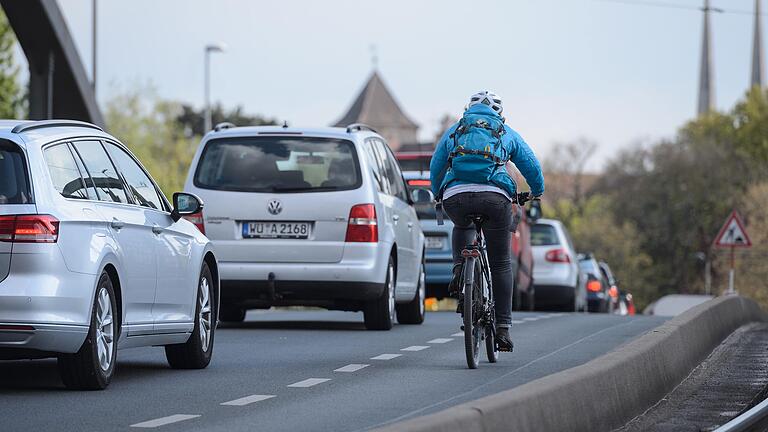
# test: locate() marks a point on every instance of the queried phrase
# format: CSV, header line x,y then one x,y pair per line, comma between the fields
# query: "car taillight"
x,y
418,182
363,226
557,255
594,286
29,229
197,219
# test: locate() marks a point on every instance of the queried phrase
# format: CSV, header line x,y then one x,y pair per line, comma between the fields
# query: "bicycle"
x,y
478,312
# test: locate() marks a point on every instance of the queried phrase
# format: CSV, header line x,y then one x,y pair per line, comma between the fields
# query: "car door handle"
x,y
157,229
117,224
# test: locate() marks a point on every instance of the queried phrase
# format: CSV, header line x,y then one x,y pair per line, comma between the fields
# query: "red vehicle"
x,y
522,256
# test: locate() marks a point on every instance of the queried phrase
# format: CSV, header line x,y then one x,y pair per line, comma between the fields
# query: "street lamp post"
x,y
208,50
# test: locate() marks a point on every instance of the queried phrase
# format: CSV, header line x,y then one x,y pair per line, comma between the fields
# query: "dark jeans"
x,y
497,230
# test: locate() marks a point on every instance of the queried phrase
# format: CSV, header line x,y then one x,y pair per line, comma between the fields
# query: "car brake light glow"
x,y
558,256
197,219
594,286
29,229
419,183
363,226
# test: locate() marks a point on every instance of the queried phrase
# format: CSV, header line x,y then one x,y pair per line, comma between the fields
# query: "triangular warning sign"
x,y
733,234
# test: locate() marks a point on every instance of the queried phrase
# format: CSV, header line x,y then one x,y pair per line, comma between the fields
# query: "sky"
x,y
618,74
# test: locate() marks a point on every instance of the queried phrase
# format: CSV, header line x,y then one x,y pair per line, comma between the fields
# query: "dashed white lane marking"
x,y
415,348
531,319
309,382
243,401
546,316
162,421
556,314
459,334
440,340
517,321
351,368
386,356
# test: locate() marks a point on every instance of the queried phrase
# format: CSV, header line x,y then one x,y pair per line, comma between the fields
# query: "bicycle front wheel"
x,y
472,331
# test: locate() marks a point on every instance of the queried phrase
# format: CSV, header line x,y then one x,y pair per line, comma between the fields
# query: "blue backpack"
x,y
477,151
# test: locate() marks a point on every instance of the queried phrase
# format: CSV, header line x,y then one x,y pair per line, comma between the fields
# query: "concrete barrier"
x,y
606,392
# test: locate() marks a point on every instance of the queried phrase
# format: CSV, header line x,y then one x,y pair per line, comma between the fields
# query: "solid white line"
x,y
162,421
351,368
309,382
248,400
415,348
460,334
440,340
386,356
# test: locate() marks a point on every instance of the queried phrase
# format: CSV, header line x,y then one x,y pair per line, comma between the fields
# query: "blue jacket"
x,y
521,155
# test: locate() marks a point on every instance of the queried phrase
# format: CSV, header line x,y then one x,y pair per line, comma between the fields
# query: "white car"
x,y
313,217
558,281
93,258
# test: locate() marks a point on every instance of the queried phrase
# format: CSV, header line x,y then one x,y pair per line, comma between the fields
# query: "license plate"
x,y
435,242
276,230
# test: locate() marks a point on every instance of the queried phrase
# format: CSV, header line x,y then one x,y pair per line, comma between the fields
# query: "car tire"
x,y
92,367
196,352
413,312
232,314
379,314
530,299
517,295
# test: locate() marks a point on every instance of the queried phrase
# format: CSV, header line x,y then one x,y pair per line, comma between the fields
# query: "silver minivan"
x,y
312,217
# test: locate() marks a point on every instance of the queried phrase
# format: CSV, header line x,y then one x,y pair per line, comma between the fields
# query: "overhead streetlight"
x,y
211,48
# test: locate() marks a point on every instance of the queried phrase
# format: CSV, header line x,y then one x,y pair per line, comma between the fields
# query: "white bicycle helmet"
x,y
487,98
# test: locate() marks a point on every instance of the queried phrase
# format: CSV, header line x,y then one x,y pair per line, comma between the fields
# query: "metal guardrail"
x,y
747,420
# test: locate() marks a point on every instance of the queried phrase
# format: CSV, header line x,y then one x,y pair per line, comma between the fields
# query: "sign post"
x,y
732,235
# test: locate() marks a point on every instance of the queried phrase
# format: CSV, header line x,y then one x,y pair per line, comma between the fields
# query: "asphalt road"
x,y
307,371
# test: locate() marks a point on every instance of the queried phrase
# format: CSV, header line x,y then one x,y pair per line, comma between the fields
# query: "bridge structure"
x,y
58,84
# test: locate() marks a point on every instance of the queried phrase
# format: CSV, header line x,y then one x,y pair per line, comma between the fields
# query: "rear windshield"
x,y
589,266
543,235
278,164
14,183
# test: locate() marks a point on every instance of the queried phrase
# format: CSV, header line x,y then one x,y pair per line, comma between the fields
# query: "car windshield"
x,y
278,164
590,266
14,184
544,235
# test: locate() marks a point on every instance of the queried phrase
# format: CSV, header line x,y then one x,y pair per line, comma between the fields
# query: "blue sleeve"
x,y
525,161
439,164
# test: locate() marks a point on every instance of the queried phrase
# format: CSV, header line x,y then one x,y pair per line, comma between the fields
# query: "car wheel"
x,y
232,314
379,314
413,311
197,351
531,298
92,367
517,295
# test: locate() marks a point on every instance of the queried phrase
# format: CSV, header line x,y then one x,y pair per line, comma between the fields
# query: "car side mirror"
x,y
534,212
422,196
185,204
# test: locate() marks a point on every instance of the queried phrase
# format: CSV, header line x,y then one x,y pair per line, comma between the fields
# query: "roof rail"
x,y
359,127
24,127
223,125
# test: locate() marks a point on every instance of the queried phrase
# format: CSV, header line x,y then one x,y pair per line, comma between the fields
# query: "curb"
x,y
607,392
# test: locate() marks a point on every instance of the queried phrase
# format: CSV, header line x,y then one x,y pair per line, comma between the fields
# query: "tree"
x,y
565,167
148,126
752,264
192,121
11,96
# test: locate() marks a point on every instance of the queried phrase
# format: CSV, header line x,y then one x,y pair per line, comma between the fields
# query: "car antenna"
x,y
285,124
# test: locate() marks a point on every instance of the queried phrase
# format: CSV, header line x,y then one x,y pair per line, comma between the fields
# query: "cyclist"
x,y
469,176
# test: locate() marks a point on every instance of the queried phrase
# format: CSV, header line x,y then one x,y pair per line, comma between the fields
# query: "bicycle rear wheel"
x,y
490,344
472,331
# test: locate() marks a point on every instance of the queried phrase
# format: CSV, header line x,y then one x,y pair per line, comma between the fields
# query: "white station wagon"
x,y
313,217
93,258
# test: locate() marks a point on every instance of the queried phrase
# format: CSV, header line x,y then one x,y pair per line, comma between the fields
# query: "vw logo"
x,y
274,207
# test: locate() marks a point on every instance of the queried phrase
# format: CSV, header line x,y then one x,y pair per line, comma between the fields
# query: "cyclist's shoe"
x,y
454,286
503,340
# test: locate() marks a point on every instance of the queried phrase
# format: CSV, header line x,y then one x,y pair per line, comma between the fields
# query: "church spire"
x,y
706,78
757,50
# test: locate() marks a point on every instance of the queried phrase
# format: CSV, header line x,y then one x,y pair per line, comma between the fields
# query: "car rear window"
x,y
589,266
544,235
278,164
14,182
